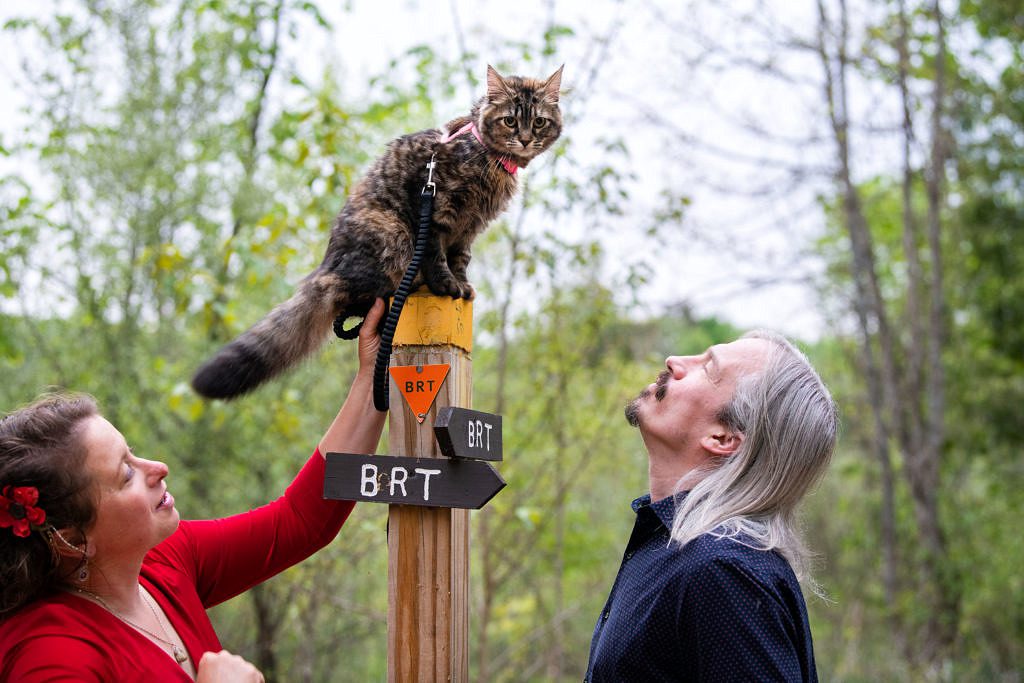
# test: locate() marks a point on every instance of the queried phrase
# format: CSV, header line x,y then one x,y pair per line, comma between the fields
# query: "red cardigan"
x,y
66,637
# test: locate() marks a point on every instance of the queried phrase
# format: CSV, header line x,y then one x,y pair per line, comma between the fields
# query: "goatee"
x,y
633,411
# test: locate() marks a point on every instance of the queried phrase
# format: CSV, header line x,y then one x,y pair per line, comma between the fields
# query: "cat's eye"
x,y
540,122
509,121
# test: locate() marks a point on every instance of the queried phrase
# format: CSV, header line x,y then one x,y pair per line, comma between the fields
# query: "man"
x,y
707,589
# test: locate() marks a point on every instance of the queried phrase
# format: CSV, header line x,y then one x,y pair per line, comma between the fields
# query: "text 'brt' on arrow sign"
x,y
432,482
464,433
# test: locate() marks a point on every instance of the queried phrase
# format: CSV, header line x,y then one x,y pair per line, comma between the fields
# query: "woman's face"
x,y
134,510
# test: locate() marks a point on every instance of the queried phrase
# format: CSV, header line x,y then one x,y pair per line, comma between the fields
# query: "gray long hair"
x,y
789,423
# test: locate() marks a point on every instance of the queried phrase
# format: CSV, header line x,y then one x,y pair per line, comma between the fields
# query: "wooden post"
x,y
428,548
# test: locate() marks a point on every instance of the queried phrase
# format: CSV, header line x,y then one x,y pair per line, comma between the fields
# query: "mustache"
x,y
660,389
661,385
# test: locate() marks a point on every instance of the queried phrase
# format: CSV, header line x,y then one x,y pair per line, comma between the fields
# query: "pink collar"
x,y
505,162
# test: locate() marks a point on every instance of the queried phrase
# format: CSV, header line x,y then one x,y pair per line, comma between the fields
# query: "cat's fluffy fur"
x,y
372,238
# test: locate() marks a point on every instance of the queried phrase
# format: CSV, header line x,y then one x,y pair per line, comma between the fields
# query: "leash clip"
x,y
430,188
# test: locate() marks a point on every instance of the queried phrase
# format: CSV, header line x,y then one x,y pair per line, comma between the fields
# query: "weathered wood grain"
x,y
428,548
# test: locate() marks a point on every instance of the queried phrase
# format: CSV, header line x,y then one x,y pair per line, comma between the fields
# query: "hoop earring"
x,y
83,567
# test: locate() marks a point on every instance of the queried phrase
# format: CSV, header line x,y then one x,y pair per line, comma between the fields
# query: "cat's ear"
x,y
553,85
496,86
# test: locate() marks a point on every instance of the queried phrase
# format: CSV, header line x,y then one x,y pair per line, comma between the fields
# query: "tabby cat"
x,y
373,237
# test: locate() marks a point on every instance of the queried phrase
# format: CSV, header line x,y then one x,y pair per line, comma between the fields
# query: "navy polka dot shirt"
x,y
714,610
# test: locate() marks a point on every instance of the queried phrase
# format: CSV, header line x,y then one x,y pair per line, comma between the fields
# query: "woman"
x,y
98,579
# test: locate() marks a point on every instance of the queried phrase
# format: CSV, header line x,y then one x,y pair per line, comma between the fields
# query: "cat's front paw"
x,y
465,290
453,288
445,286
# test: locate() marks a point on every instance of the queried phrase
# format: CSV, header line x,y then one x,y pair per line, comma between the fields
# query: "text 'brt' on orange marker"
x,y
419,385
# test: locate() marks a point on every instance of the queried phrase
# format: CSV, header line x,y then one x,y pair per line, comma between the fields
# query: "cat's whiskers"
x,y
493,162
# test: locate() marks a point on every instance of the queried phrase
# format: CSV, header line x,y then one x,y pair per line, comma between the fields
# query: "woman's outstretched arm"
x,y
358,425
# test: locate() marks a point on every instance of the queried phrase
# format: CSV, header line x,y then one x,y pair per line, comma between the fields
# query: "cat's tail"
x,y
292,331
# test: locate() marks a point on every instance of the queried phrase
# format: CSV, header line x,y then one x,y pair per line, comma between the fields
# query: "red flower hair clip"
x,y
18,509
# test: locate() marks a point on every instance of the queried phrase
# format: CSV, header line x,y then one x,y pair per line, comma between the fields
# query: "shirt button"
x,y
629,554
604,617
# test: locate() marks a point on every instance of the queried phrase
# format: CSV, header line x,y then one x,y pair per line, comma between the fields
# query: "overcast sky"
x,y
641,71
727,240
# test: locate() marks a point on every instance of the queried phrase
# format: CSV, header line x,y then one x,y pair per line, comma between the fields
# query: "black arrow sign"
x,y
433,482
464,433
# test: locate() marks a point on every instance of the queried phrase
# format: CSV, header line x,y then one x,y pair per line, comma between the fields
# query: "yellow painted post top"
x,y
429,320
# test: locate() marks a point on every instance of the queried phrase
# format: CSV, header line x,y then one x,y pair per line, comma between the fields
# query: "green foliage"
x,y
189,176
991,167
981,249
188,194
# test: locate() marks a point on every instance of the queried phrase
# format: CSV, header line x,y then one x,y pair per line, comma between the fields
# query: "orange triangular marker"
x,y
419,384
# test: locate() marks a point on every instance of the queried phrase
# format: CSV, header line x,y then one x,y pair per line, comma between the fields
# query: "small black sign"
x,y
464,433
433,482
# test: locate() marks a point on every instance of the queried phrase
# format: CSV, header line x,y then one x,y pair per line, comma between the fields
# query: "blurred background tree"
x,y
848,172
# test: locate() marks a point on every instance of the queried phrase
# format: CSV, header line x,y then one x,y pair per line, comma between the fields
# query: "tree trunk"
x,y
917,340
942,627
868,305
217,329
267,623
556,648
901,388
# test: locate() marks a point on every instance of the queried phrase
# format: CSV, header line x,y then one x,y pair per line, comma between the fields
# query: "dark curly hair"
x,y
41,446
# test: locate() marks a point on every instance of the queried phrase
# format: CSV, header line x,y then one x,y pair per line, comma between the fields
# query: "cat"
x,y
372,239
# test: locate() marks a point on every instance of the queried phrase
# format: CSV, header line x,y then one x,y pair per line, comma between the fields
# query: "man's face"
x,y
683,403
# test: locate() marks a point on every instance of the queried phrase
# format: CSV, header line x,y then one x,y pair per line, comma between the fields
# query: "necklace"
x,y
180,656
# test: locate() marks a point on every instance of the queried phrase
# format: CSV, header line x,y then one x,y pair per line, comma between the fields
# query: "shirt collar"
x,y
664,509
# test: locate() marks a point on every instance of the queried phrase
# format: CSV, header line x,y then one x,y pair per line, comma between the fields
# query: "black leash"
x,y
387,331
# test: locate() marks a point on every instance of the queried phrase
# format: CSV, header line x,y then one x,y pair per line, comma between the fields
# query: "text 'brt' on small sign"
x,y
464,433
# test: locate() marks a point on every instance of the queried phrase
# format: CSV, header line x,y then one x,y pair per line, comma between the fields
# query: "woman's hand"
x,y
215,667
369,338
